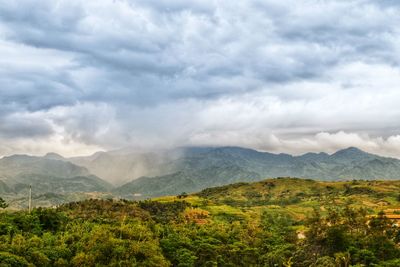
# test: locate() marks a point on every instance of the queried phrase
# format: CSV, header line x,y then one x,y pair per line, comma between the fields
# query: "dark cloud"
x,y
114,73
18,126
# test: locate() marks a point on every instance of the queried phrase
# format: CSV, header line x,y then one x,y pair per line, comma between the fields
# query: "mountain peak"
x,y
351,154
353,148
52,155
350,150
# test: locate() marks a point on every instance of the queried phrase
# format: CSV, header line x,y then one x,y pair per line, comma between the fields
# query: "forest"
x,y
206,230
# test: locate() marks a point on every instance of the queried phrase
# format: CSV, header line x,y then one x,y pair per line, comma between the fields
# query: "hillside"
x,y
48,177
22,164
137,174
275,222
185,181
198,168
301,196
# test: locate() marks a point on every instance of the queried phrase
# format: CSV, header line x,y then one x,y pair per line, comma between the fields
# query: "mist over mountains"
x,y
46,174
208,167
132,174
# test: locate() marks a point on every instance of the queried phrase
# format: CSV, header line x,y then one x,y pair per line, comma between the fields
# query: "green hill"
x,y
301,196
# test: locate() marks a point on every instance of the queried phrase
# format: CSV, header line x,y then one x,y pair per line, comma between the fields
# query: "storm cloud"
x,y
283,76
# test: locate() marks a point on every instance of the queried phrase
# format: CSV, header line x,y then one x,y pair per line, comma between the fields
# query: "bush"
x,y
8,259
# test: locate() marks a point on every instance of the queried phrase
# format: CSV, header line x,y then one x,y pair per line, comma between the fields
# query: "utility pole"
x,y
30,198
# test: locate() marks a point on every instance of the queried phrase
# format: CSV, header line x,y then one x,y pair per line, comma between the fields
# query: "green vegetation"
x,y
276,222
57,180
3,204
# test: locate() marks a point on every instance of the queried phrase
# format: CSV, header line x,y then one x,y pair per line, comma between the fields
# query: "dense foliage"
x,y
276,222
3,203
177,233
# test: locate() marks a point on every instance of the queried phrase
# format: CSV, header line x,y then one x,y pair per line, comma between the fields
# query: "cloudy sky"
x,y
282,76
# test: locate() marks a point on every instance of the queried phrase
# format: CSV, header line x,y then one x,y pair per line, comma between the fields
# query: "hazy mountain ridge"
x,y
45,174
209,167
119,168
185,181
189,169
21,164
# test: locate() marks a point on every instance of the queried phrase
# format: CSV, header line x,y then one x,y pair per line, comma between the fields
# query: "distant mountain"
x,y
350,155
55,156
189,169
5,189
198,168
317,157
23,164
42,184
48,174
185,181
119,168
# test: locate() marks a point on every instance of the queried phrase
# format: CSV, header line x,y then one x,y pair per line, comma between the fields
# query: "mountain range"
x,y
49,178
208,167
130,174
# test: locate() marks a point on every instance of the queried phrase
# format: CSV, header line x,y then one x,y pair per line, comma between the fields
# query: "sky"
x,y
281,76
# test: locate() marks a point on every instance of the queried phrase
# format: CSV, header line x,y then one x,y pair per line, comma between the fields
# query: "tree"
x,y
8,259
183,195
3,203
